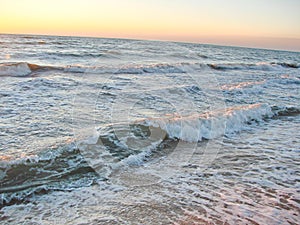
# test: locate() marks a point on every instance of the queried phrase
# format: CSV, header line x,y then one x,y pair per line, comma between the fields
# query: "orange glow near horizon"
x,y
260,23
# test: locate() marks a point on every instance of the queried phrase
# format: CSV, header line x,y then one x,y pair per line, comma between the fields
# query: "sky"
x,y
251,23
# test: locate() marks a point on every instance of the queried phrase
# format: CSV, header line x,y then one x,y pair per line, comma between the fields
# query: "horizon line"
x,y
175,41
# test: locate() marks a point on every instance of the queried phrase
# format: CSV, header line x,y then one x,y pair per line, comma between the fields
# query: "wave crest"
x,y
15,69
22,69
254,66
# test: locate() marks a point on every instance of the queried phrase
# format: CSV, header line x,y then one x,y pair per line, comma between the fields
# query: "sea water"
x,y
116,131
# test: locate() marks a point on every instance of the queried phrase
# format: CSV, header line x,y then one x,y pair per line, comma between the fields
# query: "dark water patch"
x,y
285,111
65,169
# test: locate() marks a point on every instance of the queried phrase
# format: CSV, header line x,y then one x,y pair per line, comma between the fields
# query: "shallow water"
x,y
110,131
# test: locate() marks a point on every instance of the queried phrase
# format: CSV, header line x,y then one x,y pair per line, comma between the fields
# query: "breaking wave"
x,y
22,69
210,125
62,168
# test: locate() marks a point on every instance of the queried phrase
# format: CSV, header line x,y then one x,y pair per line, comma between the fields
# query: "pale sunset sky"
x,y
253,23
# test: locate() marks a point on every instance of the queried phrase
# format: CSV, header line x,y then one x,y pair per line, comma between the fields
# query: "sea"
x,y
119,131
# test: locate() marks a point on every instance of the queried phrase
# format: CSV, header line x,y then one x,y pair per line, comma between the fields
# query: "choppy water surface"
x,y
110,131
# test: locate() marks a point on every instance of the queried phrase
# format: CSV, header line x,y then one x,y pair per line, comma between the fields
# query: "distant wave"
x,y
154,68
30,37
188,56
31,43
161,68
81,55
34,42
256,66
129,69
21,69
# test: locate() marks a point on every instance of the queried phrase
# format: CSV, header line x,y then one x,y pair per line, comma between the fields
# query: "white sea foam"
x,y
210,125
15,69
